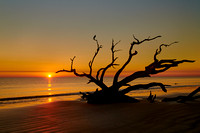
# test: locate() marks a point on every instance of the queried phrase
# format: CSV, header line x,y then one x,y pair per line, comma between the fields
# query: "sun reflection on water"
x,y
49,100
49,84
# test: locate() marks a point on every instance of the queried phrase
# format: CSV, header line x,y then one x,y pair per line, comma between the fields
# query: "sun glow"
x,y
49,76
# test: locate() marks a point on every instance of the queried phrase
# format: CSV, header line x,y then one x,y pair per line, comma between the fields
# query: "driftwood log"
x,y
183,99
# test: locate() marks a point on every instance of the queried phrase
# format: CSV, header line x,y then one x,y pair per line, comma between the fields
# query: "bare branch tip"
x,y
94,37
135,38
72,58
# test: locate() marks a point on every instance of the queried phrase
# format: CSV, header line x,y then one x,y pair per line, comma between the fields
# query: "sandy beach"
x,y
75,116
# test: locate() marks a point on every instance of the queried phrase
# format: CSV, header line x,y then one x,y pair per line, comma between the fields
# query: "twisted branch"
x,y
158,51
131,54
162,65
109,65
157,66
72,69
143,86
92,79
98,48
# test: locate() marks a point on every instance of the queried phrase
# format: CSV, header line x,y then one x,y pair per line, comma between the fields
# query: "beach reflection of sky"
x,y
18,87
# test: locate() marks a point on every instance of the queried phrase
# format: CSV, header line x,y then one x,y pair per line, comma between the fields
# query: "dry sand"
x,y
79,117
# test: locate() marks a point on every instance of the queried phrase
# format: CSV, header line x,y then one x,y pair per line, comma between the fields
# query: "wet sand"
x,y
80,117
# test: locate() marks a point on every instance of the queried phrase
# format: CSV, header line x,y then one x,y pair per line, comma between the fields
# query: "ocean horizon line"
x,y
69,76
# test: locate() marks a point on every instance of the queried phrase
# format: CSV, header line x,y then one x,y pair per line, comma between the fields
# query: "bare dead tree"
x,y
114,93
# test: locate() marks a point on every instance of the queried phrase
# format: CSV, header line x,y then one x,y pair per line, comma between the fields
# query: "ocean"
x,y
71,86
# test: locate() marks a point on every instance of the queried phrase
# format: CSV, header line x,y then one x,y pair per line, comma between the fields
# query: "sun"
x,y
49,76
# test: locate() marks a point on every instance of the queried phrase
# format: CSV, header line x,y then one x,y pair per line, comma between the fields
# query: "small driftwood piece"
x,y
151,98
183,99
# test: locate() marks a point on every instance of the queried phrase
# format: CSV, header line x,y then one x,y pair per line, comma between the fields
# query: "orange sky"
x,y
39,37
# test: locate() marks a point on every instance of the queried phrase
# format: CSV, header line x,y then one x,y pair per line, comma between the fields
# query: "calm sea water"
x,y
18,87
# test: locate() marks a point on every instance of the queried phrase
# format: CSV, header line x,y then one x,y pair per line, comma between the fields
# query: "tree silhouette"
x,y
114,93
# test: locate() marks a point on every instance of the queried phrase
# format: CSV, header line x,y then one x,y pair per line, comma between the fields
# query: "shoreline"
x,y
43,99
75,116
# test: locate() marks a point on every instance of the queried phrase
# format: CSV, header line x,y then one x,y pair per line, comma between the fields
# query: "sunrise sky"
x,y
37,37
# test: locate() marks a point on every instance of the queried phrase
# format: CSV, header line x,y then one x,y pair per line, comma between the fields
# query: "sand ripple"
x,y
81,117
